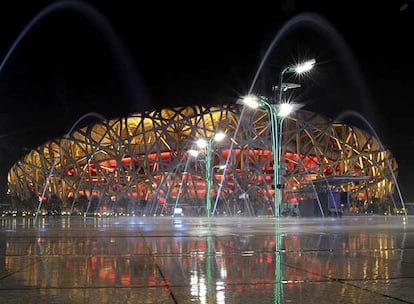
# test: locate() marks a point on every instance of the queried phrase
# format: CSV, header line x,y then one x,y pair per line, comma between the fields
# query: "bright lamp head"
x,y
251,101
285,109
305,66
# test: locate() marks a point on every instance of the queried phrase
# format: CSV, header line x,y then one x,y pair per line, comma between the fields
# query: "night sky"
x,y
118,57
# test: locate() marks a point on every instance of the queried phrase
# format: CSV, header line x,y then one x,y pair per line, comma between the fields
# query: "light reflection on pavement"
x,y
363,259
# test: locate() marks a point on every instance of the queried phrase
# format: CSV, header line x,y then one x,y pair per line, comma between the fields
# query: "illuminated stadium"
x,y
141,165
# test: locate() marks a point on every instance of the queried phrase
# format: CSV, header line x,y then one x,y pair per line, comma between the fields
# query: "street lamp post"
x,y
207,144
275,115
296,68
277,112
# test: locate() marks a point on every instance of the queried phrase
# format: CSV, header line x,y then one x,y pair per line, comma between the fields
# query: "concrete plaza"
x,y
358,259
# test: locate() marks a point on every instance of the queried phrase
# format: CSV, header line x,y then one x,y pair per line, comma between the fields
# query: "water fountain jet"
x,y
133,82
52,169
351,113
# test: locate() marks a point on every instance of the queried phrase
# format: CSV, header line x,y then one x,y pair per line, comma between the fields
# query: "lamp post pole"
x,y
273,112
277,148
208,175
277,112
207,144
284,110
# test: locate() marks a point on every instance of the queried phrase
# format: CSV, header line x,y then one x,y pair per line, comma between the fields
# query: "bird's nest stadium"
x,y
141,165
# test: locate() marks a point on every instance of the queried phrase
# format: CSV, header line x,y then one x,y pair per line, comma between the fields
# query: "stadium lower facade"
x,y
141,165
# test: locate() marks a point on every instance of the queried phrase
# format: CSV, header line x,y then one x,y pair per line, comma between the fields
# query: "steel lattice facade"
x,y
141,163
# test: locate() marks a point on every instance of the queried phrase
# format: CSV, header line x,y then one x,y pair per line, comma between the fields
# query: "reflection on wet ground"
x,y
365,259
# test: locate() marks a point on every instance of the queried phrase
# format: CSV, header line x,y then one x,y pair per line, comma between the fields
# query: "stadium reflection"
x,y
222,261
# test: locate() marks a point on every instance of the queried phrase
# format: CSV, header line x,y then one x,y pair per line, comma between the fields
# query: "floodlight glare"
x,y
305,66
202,143
251,101
285,109
219,136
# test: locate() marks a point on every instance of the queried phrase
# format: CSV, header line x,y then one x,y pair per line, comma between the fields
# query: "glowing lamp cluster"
x,y
207,144
278,110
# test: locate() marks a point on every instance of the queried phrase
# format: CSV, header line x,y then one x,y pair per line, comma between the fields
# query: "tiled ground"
x,y
365,259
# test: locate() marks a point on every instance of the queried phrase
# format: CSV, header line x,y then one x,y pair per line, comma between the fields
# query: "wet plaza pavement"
x,y
361,259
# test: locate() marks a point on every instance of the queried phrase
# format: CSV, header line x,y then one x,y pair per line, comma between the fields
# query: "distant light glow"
x,y
219,136
201,143
193,153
